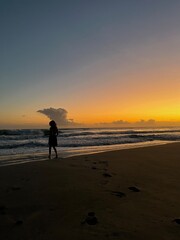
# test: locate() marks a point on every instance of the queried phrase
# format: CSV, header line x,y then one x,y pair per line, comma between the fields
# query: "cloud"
x,y
59,115
112,124
120,122
146,122
123,123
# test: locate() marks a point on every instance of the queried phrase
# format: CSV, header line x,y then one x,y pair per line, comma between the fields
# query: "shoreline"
x,y
21,158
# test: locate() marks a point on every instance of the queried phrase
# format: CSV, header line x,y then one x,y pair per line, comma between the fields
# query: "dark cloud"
x,y
120,122
59,115
113,124
123,123
146,122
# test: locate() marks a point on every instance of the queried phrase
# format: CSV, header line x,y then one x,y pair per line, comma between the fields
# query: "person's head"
x,y
52,123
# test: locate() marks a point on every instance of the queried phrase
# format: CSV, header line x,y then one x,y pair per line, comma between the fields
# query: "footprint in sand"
x,y
3,209
118,194
94,168
177,220
15,188
91,219
19,222
107,175
134,189
105,163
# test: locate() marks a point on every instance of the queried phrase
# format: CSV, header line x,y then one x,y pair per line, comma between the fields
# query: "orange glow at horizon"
x,y
145,92
85,118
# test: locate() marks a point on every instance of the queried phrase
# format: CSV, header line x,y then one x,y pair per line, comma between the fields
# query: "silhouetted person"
x,y
53,132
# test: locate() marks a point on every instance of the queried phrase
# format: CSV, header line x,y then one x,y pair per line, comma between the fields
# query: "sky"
x,y
96,62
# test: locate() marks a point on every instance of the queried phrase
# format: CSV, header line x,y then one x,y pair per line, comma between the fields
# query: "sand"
x,y
127,194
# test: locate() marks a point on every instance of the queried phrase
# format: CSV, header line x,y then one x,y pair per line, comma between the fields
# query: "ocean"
x,y
24,145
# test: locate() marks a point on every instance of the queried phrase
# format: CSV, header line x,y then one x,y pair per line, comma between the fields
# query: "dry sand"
x,y
51,200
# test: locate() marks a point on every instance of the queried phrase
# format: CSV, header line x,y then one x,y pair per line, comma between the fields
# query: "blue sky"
x,y
53,52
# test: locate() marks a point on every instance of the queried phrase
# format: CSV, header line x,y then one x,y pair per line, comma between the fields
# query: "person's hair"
x,y
52,123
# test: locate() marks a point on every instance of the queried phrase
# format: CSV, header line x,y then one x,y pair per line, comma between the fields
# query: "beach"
x,y
126,194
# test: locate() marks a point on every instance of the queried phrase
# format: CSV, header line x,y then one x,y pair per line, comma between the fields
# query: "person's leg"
x,y
49,152
55,152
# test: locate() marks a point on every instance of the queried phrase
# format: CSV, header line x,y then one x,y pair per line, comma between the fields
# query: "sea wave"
x,y
84,141
84,132
22,144
27,132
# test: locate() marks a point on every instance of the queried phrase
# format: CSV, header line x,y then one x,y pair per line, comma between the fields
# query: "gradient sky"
x,y
101,60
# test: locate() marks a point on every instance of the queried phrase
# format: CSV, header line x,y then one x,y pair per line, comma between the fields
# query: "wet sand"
x,y
127,194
